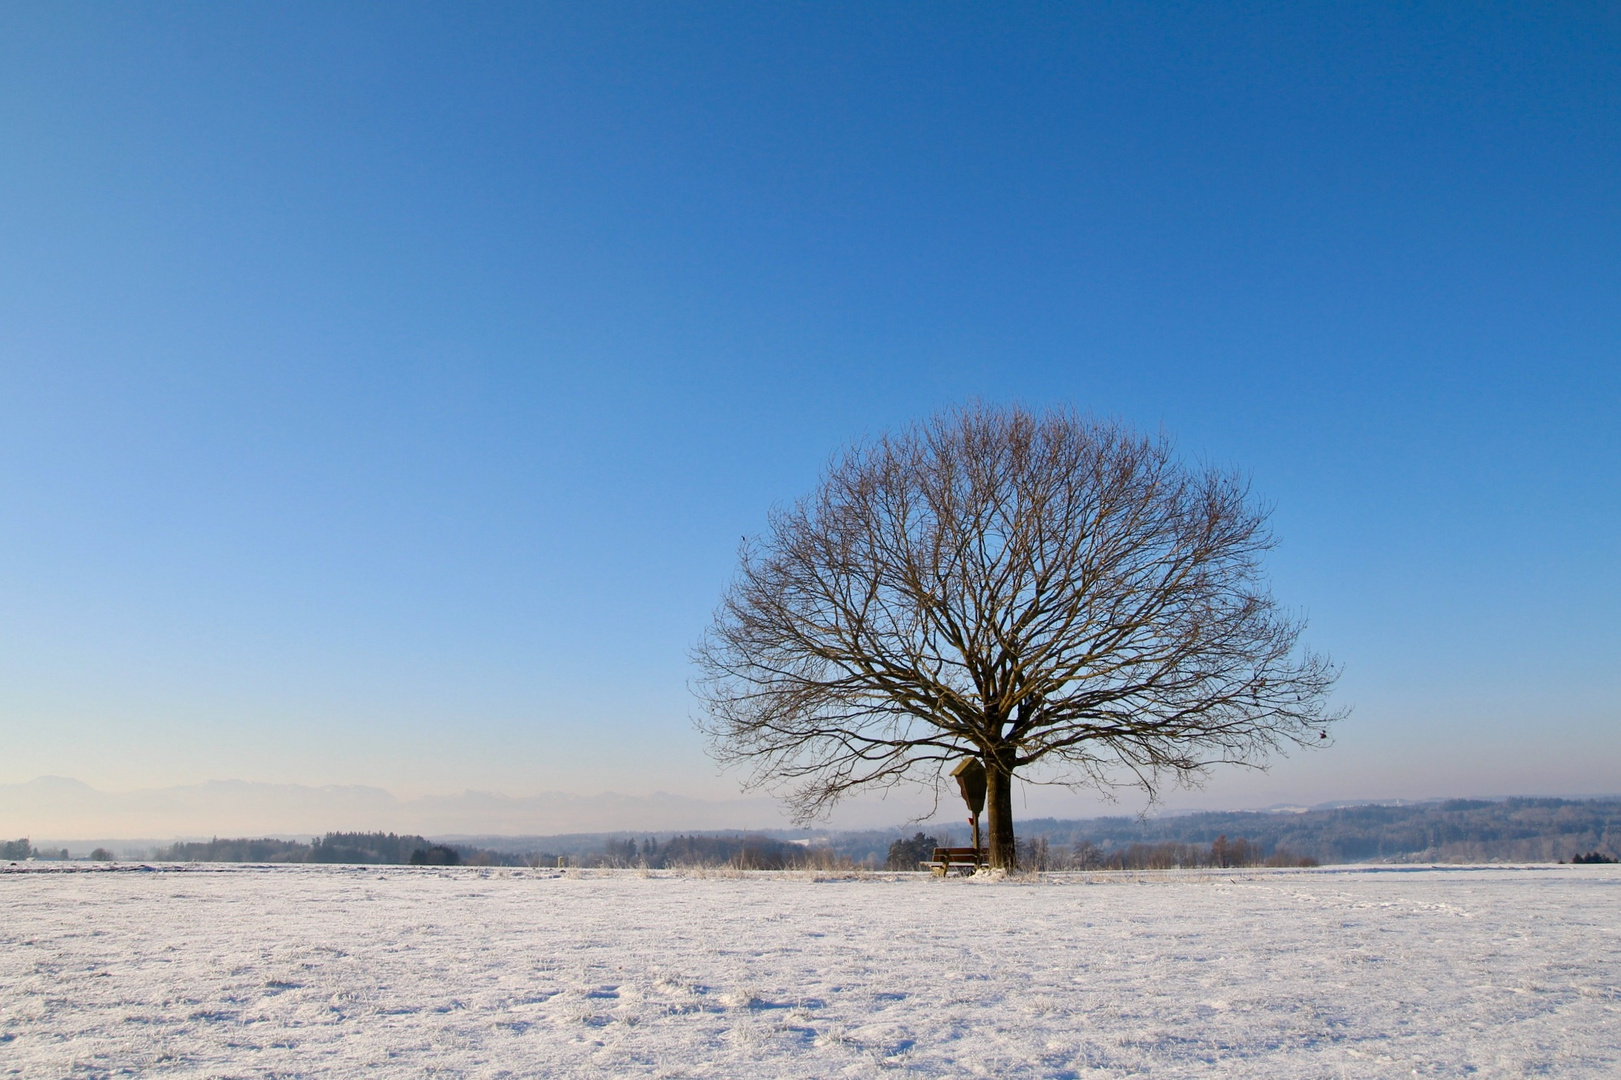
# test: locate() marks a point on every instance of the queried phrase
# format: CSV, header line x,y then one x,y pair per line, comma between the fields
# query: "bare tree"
x,y
1055,595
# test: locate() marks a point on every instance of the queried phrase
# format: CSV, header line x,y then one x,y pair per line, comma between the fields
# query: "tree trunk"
x,y
999,805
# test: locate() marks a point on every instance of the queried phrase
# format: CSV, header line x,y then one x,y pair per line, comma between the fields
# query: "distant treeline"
x,y
1040,854
1460,830
243,850
750,852
13,850
337,847
745,852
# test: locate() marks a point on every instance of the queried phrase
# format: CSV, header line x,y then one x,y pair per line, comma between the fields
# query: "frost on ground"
x,y
342,971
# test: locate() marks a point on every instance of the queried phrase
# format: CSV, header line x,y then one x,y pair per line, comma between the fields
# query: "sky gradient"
x,y
384,390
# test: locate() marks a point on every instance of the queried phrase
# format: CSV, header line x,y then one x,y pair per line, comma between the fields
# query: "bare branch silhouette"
x,y
1053,594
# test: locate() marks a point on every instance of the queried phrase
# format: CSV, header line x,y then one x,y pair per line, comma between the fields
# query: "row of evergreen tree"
x,y
1594,858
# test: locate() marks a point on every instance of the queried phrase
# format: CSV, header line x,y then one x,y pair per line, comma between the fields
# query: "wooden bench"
x,y
966,859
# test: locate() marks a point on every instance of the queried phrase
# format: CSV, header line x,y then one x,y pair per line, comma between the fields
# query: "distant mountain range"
x,y
61,809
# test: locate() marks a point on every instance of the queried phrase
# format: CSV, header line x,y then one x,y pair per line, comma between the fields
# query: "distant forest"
x,y
337,847
752,852
1460,830
1456,831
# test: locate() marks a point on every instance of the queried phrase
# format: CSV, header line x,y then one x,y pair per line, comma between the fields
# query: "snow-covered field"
x,y
343,971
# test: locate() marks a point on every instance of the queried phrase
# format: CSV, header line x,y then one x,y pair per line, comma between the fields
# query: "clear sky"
x,y
384,389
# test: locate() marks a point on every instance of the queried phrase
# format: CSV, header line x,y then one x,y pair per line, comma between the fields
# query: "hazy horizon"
x,y
60,810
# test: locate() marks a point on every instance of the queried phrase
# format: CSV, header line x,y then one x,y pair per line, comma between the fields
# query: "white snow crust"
x,y
288,971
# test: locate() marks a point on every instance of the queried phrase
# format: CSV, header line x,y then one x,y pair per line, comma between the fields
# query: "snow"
x,y
343,971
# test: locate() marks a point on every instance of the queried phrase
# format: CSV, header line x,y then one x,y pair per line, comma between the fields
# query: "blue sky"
x,y
384,389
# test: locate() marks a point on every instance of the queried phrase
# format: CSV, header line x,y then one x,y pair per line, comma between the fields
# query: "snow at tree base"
x,y
342,971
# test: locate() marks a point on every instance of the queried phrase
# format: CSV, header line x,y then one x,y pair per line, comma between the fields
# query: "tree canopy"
x,y
1056,595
